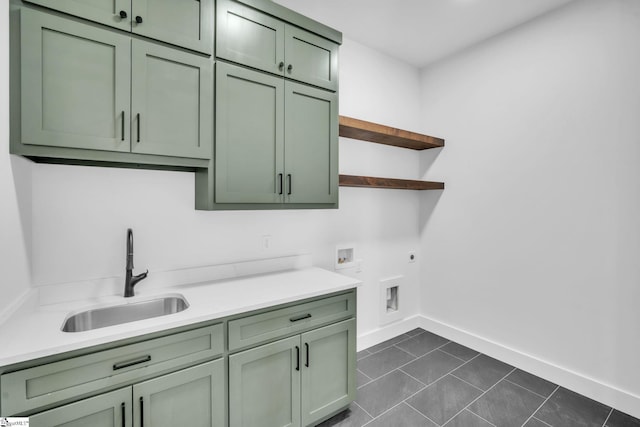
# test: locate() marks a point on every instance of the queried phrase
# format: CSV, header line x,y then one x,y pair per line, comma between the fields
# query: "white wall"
x,y
535,243
80,214
14,194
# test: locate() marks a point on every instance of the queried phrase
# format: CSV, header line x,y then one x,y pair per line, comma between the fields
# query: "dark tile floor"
x,y
420,379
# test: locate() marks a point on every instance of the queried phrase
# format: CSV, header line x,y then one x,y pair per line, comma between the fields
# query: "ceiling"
x,y
420,32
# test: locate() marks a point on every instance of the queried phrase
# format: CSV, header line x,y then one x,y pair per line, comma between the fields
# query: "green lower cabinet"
x,y
264,385
296,381
193,397
329,370
106,410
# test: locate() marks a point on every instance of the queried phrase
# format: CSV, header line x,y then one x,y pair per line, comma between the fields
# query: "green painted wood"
x,y
188,24
311,144
329,380
105,12
105,410
273,324
281,12
310,58
249,37
249,135
43,385
190,397
75,84
264,386
171,102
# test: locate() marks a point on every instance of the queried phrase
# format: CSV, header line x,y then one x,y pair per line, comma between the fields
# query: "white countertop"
x,y
34,330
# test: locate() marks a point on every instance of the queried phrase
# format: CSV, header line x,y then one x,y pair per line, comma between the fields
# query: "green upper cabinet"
x,y
276,140
249,163
111,409
75,84
311,145
89,88
171,102
256,39
183,23
191,397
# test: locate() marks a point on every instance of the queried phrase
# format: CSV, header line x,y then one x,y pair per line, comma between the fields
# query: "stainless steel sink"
x,y
124,313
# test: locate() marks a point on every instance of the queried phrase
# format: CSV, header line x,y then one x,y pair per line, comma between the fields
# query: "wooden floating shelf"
x,y
373,132
401,184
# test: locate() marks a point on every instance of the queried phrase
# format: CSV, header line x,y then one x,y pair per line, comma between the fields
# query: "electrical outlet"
x,y
412,256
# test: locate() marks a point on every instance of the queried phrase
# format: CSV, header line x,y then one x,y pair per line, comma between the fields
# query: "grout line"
x,y
390,345
540,406
398,404
474,386
481,394
608,416
365,411
453,355
539,420
472,413
524,388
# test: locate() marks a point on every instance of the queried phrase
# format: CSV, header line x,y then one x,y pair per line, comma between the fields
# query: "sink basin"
x,y
124,313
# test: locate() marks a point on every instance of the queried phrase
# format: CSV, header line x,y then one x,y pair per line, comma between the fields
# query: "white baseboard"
x,y
388,331
590,387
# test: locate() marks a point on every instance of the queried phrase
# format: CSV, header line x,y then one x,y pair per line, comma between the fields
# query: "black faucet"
x,y
130,280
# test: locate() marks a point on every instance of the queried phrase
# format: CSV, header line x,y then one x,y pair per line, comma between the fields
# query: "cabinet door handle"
x,y
306,347
281,66
297,358
281,183
138,19
299,318
122,413
122,136
138,120
123,14
141,411
289,179
290,68
133,362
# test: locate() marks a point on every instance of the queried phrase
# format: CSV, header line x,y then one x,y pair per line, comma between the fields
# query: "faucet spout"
x,y
130,280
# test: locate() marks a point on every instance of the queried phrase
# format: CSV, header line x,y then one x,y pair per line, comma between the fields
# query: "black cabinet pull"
x,y
122,408
141,411
133,362
138,120
281,66
123,14
139,19
299,318
281,183
289,179
290,68
297,358
306,347
122,136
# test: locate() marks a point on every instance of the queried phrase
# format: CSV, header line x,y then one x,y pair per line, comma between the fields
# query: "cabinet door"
x,y
107,12
264,385
171,102
183,23
329,367
106,410
249,136
311,144
311,58
193,397
249,37
75,84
